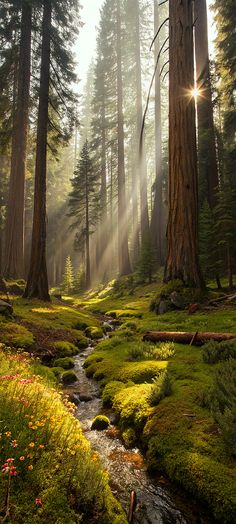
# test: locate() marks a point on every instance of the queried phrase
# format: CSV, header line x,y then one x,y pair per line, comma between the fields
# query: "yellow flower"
x,y
31,445
8,433
30,424
30,467
22,458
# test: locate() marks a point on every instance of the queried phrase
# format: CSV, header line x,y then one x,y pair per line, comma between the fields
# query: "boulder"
x,y
163,307
85,397
5,308
177,300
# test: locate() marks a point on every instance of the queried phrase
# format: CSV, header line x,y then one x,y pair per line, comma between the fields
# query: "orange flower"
x,y
22,458
30,467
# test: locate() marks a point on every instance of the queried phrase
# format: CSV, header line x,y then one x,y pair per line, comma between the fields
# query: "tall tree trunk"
x,y
157,214
103,226
88,272
124,260
37,284
182,236
141,163
14,245
207,161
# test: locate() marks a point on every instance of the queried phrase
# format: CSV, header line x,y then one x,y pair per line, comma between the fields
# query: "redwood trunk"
x,y
124,260
207,161
14,244
37,284
182,235
197,339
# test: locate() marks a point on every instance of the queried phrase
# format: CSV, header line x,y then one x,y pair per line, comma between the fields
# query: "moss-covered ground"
x,y
160,393
179,434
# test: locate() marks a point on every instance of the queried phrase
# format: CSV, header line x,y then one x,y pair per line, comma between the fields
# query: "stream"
x,y
158,501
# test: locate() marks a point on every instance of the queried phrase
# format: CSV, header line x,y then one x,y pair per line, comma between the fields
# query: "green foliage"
x,y
81,341
223,402
219,351
65,363
161,388
147,263
209,249
68,377
148,351
80,280
129,437
65,349
68,277
100,422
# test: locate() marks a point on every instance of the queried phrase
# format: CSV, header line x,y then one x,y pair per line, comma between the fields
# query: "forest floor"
x,y
163,394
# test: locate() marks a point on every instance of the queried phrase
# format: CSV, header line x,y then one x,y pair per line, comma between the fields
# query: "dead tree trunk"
x,y
14,243
124,260
37,284
197,339
182,235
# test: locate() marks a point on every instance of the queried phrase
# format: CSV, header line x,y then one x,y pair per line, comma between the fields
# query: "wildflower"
x,y
30,467
31,445
30,424
8,433
14,443
41,446
22,458
29,456
26,381
9,467
38,502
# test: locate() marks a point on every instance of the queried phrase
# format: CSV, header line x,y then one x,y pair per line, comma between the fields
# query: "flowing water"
x,y
158,502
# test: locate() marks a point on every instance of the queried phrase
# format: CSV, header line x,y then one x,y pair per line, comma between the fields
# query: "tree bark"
x,y
37,284
207,160
14,244
157,214
141,163
182,234
124,260
197,339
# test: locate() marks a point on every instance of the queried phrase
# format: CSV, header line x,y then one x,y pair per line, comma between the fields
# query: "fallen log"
x,y
184,337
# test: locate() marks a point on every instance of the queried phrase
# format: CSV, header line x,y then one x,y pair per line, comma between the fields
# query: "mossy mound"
x,y
68,377
57,371
93,332
15,335
82,342
100,423
110,391
65,363
65,349
124,313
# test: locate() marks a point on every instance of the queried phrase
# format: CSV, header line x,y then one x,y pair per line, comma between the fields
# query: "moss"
x,y
110,391
57,371
100,422
65,363
65,349
124,313
16,335
218,351
82,342
129,437
131,404
93,332
68,377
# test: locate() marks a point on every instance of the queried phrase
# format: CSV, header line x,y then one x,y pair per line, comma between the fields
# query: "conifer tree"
x,y
83,204
68,277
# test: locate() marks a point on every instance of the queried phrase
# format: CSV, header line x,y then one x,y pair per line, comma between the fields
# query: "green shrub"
x,y
65,349
219,351
223,403
110,391
100,422
148,351
80,325
161,388
65,363
68,377
130,325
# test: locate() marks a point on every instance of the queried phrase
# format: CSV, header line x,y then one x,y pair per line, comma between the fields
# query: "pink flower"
x,y
38,502
25,380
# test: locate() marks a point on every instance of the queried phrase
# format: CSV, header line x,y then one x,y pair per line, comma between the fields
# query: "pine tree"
x,y
68,277
83,204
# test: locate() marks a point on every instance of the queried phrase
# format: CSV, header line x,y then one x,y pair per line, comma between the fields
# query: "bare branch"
x,y
156,35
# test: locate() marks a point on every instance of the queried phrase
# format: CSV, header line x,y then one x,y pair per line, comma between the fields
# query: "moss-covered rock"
x,y
82,342
65,349
100,423
68,377
65,363
57,371
94,332
110,391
